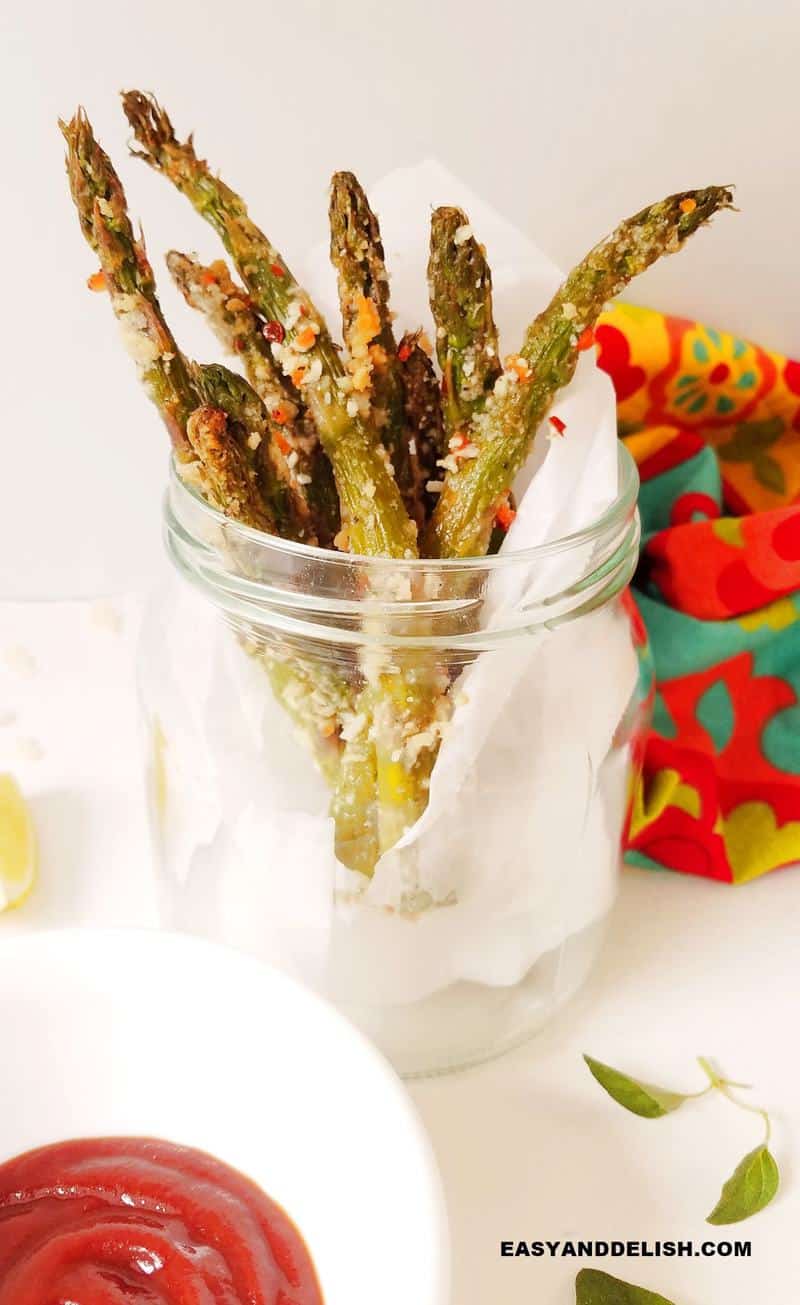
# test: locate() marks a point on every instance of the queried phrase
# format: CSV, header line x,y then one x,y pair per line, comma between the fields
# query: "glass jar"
x,y
404,782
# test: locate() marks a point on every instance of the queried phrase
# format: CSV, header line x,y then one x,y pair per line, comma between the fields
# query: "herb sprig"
x,y
755,1180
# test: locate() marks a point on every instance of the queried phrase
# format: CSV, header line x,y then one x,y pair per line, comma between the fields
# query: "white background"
x,y
566,115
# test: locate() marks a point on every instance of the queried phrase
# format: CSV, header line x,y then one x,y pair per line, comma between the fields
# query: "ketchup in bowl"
x,y
133,1221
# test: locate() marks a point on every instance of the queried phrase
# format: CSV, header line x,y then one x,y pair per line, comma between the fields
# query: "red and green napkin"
x,y
714,425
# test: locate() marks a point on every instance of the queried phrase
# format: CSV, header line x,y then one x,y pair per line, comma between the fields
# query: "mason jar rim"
x,y
311,596
622,505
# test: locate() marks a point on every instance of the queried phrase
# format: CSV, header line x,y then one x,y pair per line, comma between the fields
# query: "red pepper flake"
x,y
298,374
505,515
404,352
207,277
274,332
282,443
239,344
280,415
97,281
558,425
585,339
688,205
276,269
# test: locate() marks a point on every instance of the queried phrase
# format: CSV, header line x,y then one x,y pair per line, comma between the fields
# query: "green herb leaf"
x,y
595,1288
750,1187
640,1098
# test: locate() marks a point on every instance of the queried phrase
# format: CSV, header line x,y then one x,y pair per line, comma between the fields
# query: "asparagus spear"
x,y
292,442
460,284
316,697
424,416
100,201
211,290
374,517
357,254
353,805
504,431
396,704
251,428
228,475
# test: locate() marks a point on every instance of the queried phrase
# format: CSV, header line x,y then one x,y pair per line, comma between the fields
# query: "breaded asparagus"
x,y
100,202
503,433
292,444
229,476
354,805
211,290
250,426
373,364
197,429
396,704
460,284
378,754
427,441
373,514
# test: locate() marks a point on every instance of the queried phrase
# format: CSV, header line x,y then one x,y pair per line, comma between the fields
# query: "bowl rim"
x,y
34,941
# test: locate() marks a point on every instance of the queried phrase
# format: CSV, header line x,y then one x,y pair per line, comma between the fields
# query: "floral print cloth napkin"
x,y
713,422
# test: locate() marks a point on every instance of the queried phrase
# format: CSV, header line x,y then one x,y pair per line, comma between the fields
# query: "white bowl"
x,y
156,1034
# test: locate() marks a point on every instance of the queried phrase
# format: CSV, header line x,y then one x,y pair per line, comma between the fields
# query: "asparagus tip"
x,y
344,180
151,125
447,218
697,207
351,216
77,132
181,268
90,172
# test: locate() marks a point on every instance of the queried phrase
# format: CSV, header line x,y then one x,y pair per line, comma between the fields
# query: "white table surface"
x,y
530,1148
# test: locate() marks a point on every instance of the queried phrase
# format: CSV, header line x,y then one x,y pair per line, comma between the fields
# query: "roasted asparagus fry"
x,y
100,201
354,805
503,433
228,474
427,441
226,306
373,364
461,302
292,441
392,441
227,434
252,429
374,517
198,429
396,704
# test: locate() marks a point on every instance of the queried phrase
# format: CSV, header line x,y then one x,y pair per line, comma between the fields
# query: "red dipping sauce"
x,y
132,1221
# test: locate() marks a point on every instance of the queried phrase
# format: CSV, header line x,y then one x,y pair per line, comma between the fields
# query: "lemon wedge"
x,y
17,845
